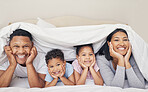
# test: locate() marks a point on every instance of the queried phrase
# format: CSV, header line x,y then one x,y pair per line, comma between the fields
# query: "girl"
x,y
85,65
117,65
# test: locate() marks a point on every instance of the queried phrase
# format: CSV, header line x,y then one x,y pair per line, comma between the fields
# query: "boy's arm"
x,y
69,81
52,83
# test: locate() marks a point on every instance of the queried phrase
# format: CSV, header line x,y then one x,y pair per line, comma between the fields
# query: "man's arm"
x,y
6,76
35,79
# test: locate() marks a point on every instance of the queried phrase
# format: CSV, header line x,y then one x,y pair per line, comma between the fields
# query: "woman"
x,y
117,65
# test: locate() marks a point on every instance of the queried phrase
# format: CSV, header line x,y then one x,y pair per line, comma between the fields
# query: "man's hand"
x,y
10,55
33,54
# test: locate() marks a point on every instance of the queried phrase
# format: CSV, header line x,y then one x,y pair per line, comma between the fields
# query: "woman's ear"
x,y
108,43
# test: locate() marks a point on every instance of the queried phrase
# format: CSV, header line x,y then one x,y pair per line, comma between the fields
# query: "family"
x,y
112,65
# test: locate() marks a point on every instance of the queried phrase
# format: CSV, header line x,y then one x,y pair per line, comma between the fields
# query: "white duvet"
x,y
65,38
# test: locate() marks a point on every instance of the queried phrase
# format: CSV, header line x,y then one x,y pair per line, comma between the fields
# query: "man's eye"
x,y
58,64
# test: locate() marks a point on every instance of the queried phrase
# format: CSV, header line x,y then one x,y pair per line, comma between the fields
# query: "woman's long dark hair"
x,y
104,50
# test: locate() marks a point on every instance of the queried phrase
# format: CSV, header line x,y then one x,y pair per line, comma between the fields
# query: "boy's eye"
x,y
83,55
58,64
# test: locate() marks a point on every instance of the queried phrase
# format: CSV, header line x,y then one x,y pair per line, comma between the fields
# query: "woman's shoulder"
x,y
100,59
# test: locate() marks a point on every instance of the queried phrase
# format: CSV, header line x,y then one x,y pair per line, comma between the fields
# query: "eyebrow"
x,y
118,37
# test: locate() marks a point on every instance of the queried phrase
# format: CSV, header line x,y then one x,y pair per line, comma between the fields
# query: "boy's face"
x,y
86,55
56,66
21,47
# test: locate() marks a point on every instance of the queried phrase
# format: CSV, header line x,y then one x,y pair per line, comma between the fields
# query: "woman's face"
x,y
120,43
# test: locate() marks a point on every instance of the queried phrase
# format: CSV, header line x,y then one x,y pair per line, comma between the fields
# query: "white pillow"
x,y
44,24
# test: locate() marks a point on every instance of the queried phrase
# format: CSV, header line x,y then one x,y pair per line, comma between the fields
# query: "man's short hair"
x,y
21,32
55,53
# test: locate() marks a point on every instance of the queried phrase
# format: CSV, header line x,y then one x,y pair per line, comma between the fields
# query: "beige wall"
x,y
132,12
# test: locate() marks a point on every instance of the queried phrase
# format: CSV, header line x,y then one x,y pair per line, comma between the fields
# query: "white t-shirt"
x,y
39,64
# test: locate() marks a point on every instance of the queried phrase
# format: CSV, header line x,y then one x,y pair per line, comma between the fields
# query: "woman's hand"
x,y
113,53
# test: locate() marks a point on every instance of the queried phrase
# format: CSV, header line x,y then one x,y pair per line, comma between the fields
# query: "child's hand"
x,y
81,63
33,54
51,74
93,63
63,71
10,55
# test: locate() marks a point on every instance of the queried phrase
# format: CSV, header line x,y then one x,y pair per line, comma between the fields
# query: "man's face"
x,y
21,47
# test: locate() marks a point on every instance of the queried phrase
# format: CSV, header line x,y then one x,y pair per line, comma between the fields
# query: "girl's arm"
x,y
96,76
80,79
52,83
69,81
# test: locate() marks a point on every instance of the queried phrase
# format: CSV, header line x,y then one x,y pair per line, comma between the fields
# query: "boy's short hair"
x,y
21,32
55,53
78,48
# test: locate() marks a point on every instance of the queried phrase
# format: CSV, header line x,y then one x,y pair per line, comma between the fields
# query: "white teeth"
x,y
121,48
21,56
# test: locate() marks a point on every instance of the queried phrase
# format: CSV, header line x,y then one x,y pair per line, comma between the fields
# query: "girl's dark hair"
x,y
21,32
78,48
104,50
55,53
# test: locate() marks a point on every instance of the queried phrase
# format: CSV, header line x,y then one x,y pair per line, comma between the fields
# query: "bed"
x,y
70,24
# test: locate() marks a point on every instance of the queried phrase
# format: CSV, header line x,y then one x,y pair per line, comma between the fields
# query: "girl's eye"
x,y
51,66
16,46
90,54
58,64
116,40
26,46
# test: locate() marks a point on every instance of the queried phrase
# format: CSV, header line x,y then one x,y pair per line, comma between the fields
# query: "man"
x,y
23,60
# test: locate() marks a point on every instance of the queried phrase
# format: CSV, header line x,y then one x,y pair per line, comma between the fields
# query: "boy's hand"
x,y
10,55
33,54
63,71
51,74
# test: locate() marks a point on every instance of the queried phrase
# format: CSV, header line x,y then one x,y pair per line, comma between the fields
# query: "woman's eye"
x,y
116,40
125,40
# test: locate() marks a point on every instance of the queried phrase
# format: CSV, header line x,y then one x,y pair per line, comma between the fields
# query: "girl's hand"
x,y
128,54
33,54
93,63
81,63
113,53
10,55
51,74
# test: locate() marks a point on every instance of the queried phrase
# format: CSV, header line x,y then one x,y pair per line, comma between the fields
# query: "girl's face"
x,y
55,66
86,55
120,43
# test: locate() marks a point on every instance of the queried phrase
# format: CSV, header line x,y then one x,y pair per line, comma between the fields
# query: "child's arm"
x,y
96,75
80,79
52,83
69,81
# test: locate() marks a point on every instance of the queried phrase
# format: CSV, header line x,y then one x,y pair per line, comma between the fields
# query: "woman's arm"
x,y
108,75
135,78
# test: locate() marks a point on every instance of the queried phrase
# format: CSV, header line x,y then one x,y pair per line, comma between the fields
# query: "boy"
x,y
58,69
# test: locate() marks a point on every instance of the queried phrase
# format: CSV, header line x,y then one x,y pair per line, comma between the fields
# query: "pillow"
x,y
44,24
